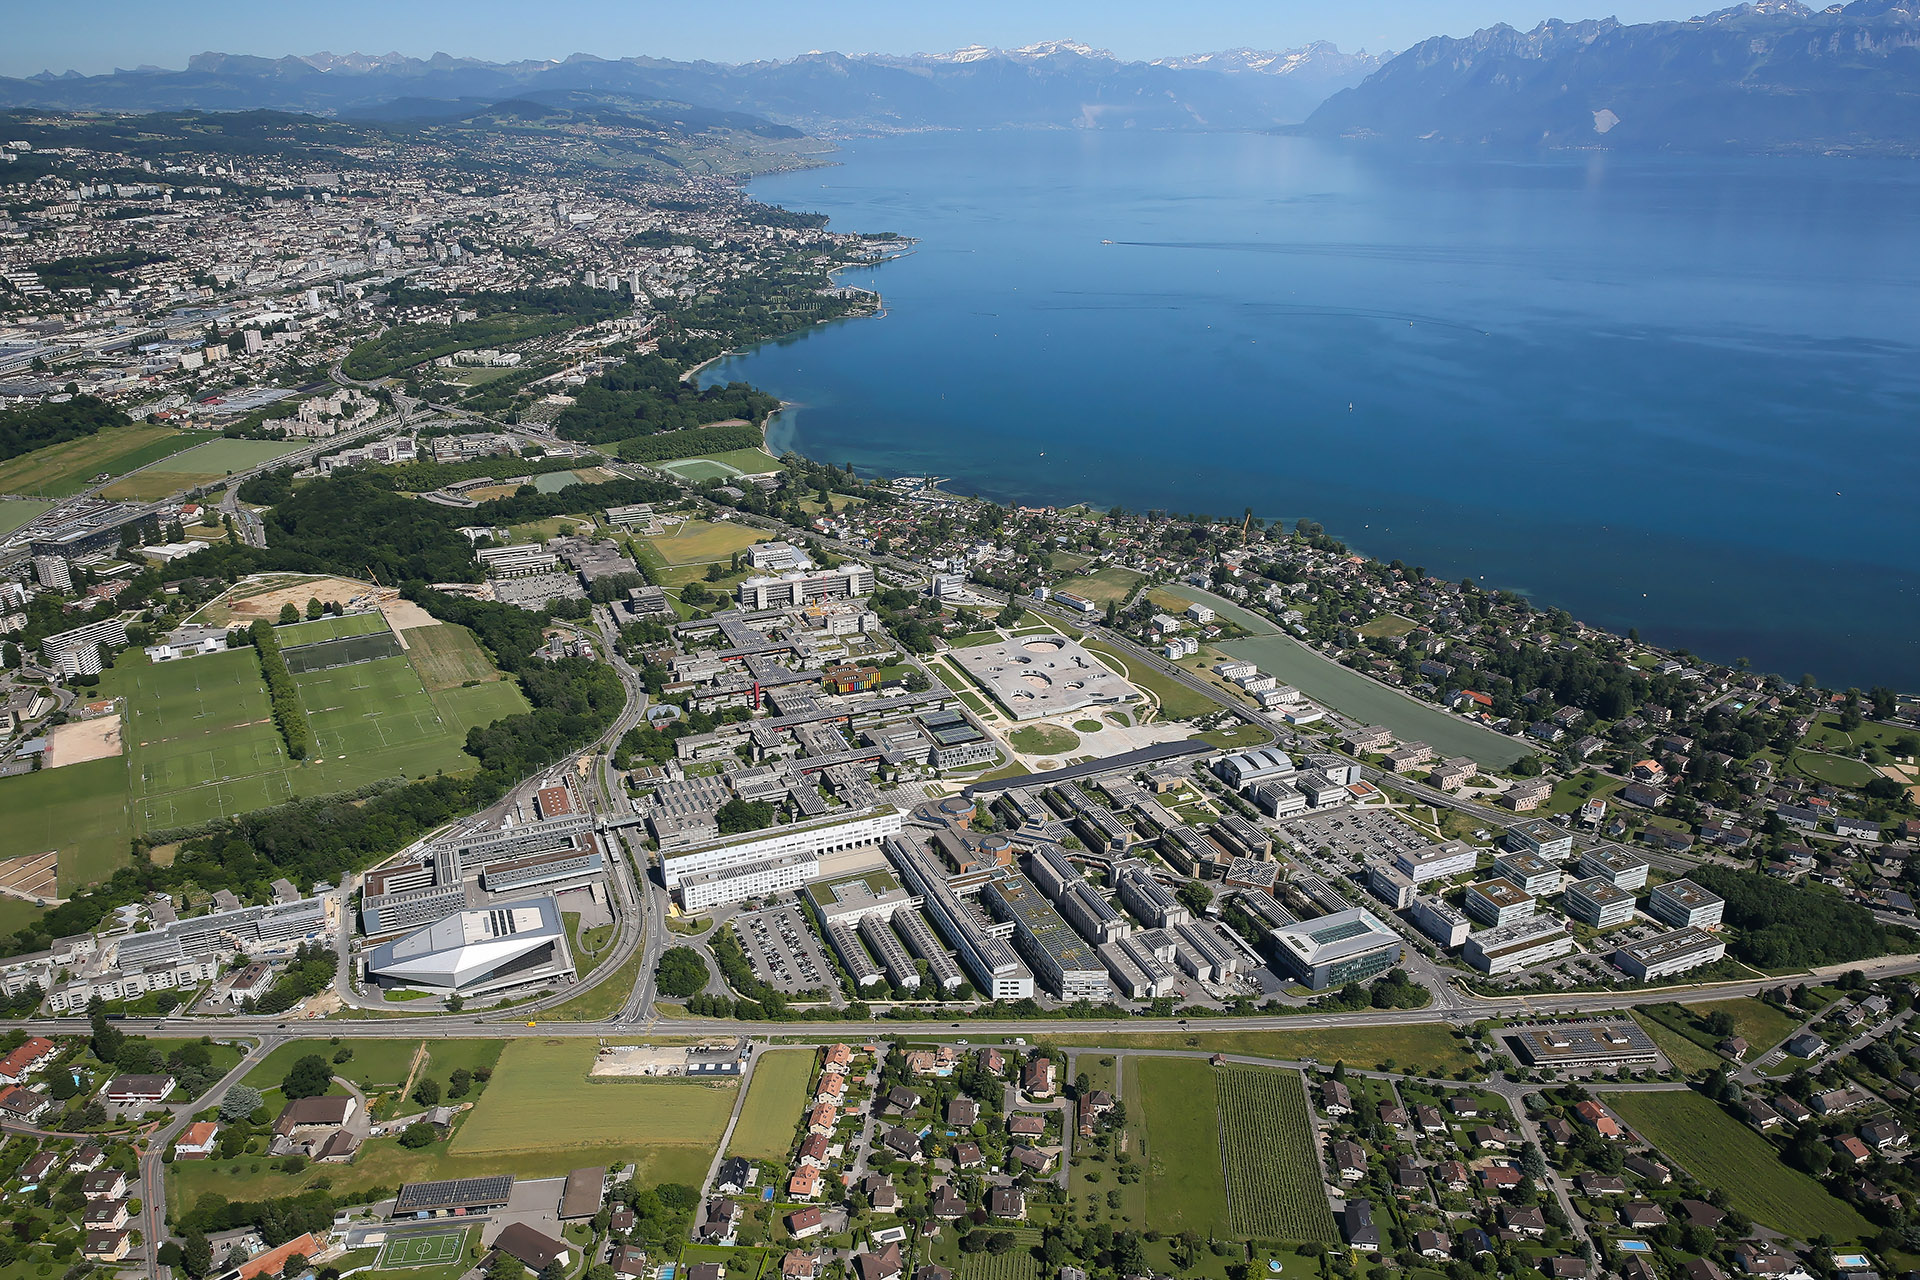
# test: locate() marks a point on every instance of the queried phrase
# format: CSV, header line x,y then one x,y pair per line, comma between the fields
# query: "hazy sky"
x,y
129,33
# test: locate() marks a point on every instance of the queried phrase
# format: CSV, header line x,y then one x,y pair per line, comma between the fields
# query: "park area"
x,y
542,1110
62,469
177,472
1721,1152
775,1098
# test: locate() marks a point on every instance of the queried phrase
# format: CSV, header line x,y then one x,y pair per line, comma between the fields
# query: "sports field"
x,y
722,466
376,720
423,1251
295,634
447,656
774,1102
1720,1152
1173,1124
540,1100
61,469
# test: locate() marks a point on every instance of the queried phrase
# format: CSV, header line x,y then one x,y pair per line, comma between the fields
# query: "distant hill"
x,y
1055,84
1766,77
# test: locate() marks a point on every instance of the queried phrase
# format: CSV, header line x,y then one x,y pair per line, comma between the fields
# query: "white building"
x,y
1507,947
1598,902
77,652
1685,905
1436,861
777,860
1668,953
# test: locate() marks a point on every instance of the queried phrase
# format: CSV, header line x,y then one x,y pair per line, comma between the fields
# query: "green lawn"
x,y
1720,1152
1043,740
204,464
1173,1123
1683,1053
1385,627
699,541
14,515
1758,1023
601,1000
369,623
1840,771
1177,702
774,1102
728,462
80,810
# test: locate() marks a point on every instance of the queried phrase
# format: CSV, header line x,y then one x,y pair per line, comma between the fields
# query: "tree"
x,y
1196,897
314,608
739,817
1720,1023
460,1083
196,1255
288,614
682,973
310,1077
239,1102
427,1092
418,1134
917,681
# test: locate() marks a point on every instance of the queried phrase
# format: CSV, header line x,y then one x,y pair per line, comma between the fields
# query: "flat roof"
x,y
1666,946
1619,1040
1501,893
1687,893
454,1193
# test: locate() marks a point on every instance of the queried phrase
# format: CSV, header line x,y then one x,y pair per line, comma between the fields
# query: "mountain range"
x,y
1764,77
1057,84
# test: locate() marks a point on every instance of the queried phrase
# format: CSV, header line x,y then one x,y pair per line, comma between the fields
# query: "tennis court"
x,y
434,1250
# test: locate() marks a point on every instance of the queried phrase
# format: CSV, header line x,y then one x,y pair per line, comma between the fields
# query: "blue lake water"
x,y
1677,395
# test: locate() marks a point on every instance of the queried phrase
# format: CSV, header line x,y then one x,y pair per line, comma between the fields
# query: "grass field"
x,y
1837,770
1720,1152
723,465
14,515
330,628
1273,1169
1682,1052
1177,702
774,1102
376,720
197,466
1385,627
1043,740
80,810
1425,1046
434,1250
1758,1023
700,542
540,1100
1173,1124
61,469
1111,585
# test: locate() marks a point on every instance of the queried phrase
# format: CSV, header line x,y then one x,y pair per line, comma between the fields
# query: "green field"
x,y
722,466
1417,1047
437,1249
1043,740
1111,585
1758,1023
1385,627
699,542
80,810
1273,1170
1690,1058
540,1100
331,628
1173,1121
14,515
448,656
1721,1152
1840,771
198,466
376,720
775,1099
1177,702
62,469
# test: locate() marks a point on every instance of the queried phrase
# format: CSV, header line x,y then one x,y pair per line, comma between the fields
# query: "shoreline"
x,y
985,491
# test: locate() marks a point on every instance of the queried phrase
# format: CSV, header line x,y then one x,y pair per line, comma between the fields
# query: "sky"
x,y
130,33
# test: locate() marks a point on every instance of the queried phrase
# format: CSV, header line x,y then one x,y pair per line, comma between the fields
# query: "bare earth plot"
x,y
82,740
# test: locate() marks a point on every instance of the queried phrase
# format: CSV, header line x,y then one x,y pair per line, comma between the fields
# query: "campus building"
x,y
1331,951
1598,902
1667,954
1685,905
474,952
777,860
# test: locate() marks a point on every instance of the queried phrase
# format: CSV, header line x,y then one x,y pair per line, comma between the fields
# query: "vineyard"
x,y
1272,1165
1017,1264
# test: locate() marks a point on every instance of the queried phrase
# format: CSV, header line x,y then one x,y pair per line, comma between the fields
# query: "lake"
x,y
1672,395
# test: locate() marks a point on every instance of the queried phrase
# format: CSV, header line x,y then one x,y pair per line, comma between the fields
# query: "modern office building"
x,y
1668,954
1440,921
1530,871
1542,839
1331,951
1389,884
1598,902
790,591
1685,905
1529,941
1611,862
1245,768
486,949
1497,902
777,860
1062,961
1436,861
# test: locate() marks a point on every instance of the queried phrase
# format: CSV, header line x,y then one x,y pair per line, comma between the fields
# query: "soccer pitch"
x,y
374,720
295,634
423,1251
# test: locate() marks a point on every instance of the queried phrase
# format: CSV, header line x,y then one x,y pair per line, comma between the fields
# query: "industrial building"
x,y
1574,1046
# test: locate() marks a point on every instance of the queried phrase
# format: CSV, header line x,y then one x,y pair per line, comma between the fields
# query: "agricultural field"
x,y
1173,1127
541,1101
21,512
80,811
62,469
1721,1152
1111,585
775,1099
1272,1166
198,466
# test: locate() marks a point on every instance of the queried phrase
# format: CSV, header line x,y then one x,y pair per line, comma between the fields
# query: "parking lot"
x,y
783,950
1355,838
